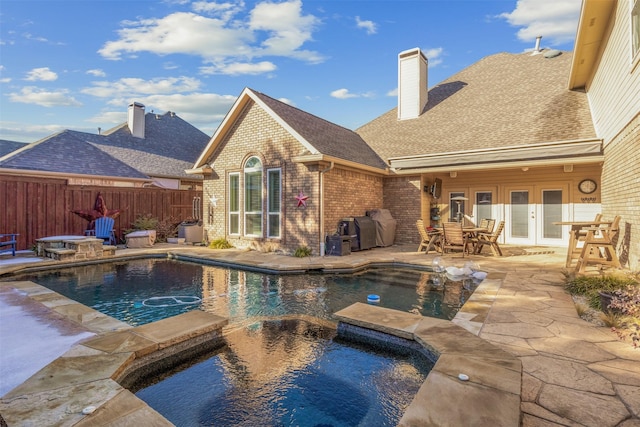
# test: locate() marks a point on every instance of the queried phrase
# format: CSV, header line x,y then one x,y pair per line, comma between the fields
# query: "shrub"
x,y
589,286
167,228
144,222
626,300
220,243
302,251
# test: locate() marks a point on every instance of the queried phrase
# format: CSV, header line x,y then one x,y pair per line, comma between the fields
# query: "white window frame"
x,y
277,213
232,213
259,213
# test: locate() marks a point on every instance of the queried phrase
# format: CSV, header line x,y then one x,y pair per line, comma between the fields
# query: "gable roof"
x,y
501,102
324,140
170,146
69,152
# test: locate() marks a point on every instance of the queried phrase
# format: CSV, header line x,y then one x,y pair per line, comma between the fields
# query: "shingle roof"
x,y
326,137
500,101
170,146
70,152
7,147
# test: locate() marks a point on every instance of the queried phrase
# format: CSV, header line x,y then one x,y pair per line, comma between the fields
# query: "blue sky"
x,y
78,64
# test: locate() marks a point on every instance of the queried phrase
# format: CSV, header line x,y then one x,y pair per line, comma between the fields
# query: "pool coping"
x,y
490,395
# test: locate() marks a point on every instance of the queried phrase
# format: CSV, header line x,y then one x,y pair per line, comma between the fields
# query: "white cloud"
x,y
27,132
345,94
370,26
270,29
41,74
555,20
287,29
44,98
240,68
96,73
223,10
434,56
136,86
393,92
203,110
287,101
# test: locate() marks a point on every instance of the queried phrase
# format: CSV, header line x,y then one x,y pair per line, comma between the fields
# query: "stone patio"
x,y
573,373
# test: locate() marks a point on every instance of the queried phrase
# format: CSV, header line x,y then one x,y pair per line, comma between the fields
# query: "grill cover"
x,y
366,230
385,226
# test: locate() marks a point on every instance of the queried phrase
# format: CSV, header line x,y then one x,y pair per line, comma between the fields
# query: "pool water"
x,y
304,376
276,369
143,291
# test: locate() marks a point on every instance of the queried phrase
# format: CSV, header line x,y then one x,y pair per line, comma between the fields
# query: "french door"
x,y
530,212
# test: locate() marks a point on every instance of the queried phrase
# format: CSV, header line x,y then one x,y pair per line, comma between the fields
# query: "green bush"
x,y
589,286
302,251
221,243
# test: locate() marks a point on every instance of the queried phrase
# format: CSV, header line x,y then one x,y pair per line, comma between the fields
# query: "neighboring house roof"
x,y
501,102
322,139
7,147
69,152
170,145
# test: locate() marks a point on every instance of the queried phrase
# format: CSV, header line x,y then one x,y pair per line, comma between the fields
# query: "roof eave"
x,y
64,175
323,158
591,34
566,152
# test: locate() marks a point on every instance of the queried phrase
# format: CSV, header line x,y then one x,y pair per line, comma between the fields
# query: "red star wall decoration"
x,y
302,199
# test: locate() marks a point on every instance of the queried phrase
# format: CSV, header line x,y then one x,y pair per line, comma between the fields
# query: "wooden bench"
x,y
11,242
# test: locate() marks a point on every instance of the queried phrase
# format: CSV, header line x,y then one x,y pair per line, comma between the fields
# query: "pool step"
x,y
405,278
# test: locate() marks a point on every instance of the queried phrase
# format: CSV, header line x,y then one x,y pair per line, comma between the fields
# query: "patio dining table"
x,y
437,232
576,227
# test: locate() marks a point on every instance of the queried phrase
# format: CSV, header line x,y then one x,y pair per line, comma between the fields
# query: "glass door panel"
x,y
553,207
520,216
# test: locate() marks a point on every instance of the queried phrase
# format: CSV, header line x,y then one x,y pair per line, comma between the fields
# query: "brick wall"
x,y
403,198
621,190
349,194
257,134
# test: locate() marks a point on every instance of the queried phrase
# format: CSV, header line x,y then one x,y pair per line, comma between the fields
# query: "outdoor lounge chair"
x,y
104,230
454,237
427,239
490,239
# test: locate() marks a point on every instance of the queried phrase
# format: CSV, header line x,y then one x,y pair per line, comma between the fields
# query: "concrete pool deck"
x,y
573,373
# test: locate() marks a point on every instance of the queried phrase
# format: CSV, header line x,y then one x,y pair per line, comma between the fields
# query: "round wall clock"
x,y
587,186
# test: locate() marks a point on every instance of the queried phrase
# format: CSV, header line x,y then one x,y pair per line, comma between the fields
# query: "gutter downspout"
x,y
321,230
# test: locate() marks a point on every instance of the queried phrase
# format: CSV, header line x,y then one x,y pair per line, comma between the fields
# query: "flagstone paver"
x,y
573,373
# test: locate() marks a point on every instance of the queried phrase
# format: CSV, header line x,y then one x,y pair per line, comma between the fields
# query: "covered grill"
x,y
366,232
385,226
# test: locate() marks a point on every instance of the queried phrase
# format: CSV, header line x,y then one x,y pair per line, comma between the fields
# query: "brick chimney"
x,y
412,83
136,119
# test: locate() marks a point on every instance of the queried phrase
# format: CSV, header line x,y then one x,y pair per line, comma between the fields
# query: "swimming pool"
x,y
270,369
304,375
145,290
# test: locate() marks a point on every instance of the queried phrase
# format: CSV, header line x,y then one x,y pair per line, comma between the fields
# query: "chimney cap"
x,y
136,104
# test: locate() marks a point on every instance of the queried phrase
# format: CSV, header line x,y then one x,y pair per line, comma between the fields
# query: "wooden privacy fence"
x,y
37,208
